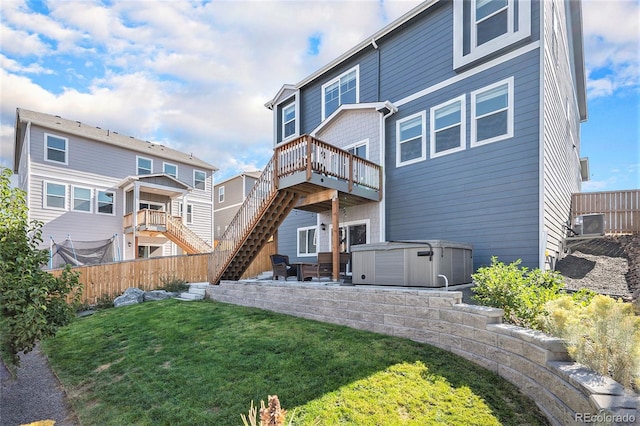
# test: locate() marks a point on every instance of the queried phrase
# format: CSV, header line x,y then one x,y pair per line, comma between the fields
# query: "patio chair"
x,y
324,266
281,267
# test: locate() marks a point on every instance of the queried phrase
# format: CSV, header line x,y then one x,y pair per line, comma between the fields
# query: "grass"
x,y
172,363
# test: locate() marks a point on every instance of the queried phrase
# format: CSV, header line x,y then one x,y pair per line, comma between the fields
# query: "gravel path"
x,y
35,394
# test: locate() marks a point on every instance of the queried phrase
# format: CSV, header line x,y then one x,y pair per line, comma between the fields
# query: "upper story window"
x,y
55,196
189,217
482,27
199,179
221,194
289,121
411,139
359,149
106,202
81,199
341,90
448,127
145,166
492,113
170,169
56,149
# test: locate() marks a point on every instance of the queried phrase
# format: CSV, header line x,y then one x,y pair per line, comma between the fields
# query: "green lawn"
x,y
202,363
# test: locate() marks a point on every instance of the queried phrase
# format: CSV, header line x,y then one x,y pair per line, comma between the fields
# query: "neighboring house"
x,y
89,184
228,196
473,110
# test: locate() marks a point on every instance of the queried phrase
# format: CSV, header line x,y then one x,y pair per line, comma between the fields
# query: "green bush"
x,y
604,335
521,293
174,285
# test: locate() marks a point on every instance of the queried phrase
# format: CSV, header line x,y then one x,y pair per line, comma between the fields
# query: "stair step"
x,y
190,296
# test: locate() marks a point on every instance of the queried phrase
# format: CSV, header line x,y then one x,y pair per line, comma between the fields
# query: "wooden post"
x,y
335,237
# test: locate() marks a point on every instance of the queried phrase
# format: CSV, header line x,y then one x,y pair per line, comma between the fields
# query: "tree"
x,y
33,303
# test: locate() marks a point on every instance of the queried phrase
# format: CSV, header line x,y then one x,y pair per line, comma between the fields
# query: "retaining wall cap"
x,y
585,378
480,310
616,402
551,343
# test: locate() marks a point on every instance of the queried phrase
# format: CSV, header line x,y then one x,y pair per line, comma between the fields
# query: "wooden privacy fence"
x,y
621,209
113,279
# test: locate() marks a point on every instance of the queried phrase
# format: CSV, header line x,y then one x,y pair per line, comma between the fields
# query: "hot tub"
x,y
412,263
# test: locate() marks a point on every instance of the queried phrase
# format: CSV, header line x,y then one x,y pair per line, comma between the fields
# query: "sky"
x,y
195,75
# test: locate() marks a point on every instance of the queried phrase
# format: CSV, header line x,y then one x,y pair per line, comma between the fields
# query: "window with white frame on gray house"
x,y
221,194
189,212
448,127
56,149
81,199
170,169
411,141
307,241
106,202
145,165
55,196
341,90
289,120
359,149
492,113
199,179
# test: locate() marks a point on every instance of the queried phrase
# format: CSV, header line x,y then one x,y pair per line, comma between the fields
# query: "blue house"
x,y
471,108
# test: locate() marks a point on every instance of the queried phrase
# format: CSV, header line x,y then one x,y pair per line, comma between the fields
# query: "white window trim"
x,y
306,228
138,158
463,128
221,194
45,195
509,38
295,120
186,217
194,180
97,197
66,150
510,109
73,198
423,115
364,142
164,163
330,82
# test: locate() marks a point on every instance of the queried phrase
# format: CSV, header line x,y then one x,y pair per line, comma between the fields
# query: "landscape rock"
x,y
131,296
158,295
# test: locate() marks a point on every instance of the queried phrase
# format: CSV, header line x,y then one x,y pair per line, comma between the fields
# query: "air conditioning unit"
x,y
592,224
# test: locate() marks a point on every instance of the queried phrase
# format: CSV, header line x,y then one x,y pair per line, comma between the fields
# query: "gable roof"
x,y
57,123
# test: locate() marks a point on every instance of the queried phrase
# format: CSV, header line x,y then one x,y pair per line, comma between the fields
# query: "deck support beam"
x,y
335,237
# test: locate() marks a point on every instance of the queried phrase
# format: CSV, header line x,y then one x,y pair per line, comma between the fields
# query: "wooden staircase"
x,y
184,237
297,171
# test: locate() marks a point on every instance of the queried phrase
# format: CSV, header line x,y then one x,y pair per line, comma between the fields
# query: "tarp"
x,y
80,253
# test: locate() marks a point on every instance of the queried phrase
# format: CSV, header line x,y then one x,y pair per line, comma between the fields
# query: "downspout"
x,y
383,148
541,144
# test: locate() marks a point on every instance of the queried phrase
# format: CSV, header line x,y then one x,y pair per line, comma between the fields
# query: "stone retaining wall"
x,y
536,363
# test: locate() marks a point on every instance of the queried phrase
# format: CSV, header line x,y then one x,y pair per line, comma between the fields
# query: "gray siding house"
x,y
87,184
473,110
228,196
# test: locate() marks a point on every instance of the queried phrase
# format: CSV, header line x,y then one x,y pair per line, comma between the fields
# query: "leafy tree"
x,y
33,303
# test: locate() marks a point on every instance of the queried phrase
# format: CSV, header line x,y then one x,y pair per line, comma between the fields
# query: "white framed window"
x,y
56,149
221,194
106,202
170,169
289,121
344,89
482,27
492,113
55,196
81,199
148,205
360,149
189,217
448,130
411,139
307,243
145,165
199,179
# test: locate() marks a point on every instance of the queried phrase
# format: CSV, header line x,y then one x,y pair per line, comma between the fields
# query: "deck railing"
x,y
621,209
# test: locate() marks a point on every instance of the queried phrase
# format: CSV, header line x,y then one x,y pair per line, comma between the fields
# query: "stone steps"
x,y
196,292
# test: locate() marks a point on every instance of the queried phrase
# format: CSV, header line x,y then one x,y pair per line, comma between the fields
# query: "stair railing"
x,y
186,235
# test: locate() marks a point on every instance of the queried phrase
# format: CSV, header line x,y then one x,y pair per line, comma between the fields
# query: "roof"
x,y
107,136
254,174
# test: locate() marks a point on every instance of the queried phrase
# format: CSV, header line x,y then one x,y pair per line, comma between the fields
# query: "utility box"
x,y
412,263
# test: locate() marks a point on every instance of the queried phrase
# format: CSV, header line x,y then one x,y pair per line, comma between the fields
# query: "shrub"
x,y
521,293
173,284
604,335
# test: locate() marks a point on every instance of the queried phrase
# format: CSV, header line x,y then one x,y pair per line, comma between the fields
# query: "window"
x,y
199,179
221,194
144,205
411,139
106,202
55,196
448,129
307,241
289,121
341,90
170,169
482,27
492,113
145,166
56,149
359,149
189,213
81,199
